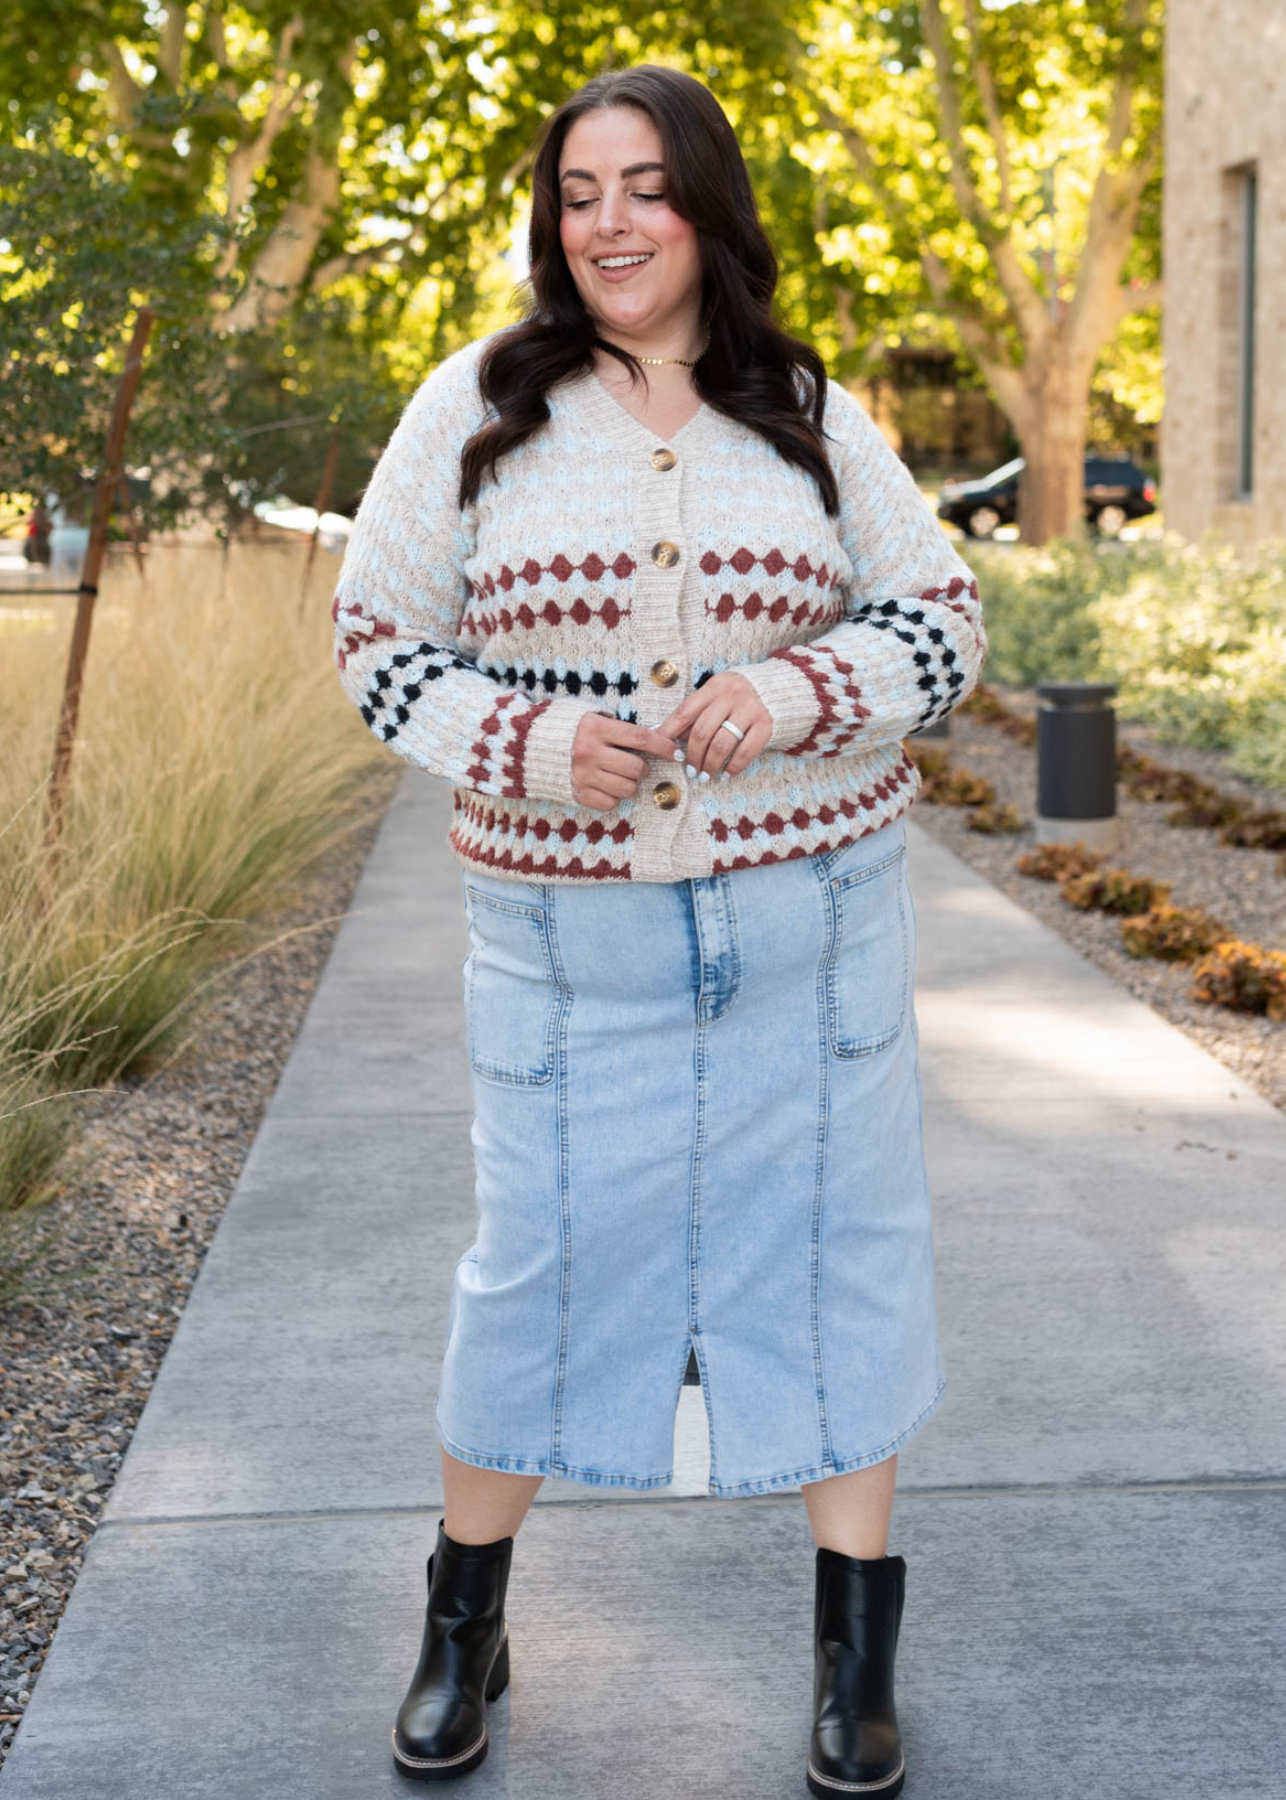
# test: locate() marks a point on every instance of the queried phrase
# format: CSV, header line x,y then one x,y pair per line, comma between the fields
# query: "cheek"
x,y
569,235
677,233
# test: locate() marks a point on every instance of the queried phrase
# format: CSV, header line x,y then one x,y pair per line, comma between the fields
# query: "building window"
x,y
1246,357
1237,309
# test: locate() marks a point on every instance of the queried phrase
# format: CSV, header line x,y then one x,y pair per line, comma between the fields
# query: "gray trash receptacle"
x,y
1076,764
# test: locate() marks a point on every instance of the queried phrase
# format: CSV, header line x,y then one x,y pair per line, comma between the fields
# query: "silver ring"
x,y
729,726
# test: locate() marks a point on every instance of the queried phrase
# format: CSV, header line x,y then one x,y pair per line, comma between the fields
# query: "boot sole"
x,y
888,1785
446,1768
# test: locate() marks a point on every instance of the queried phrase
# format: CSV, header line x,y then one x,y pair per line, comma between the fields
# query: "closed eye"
x,y
575,205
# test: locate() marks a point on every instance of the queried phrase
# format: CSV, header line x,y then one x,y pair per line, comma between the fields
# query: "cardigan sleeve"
x,y
911,645
399,602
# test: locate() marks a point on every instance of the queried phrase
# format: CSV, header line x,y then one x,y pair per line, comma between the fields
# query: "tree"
x,y
78,254
954,122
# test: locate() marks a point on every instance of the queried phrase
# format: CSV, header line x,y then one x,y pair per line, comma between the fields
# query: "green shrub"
x,y
1035,606
1051,862
1172,933
990,819
1256,831
960,787
1193,634
942,783
1113,891
1244,978
985,703
1214,811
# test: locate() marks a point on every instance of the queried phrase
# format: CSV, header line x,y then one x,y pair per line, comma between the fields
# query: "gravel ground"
x,y
1242,888
76,1366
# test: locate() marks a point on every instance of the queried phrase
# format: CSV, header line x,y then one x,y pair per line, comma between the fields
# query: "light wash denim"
x,y
697,1120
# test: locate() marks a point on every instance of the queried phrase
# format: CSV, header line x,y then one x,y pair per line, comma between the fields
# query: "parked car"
x,y
1116,491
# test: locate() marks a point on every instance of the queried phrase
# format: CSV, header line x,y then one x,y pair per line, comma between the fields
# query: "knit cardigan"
x,y
610,569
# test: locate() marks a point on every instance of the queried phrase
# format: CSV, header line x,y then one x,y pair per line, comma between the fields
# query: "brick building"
x,y
1223,443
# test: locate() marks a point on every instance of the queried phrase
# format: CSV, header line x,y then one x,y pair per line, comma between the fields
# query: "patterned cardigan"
x,y
607,569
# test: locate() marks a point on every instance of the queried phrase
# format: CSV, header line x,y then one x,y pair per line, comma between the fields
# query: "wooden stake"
x,y
127,507
320,506
87,593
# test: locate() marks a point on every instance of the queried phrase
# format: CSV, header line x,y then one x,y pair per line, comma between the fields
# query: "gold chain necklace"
x,y
682,361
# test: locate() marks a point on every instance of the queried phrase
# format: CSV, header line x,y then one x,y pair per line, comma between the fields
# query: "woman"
x,y
664,634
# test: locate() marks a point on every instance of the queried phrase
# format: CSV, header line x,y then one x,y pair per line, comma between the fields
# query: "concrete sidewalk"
x,y
1095,1522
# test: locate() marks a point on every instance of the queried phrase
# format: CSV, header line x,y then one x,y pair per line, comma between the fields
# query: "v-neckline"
x,y
609,408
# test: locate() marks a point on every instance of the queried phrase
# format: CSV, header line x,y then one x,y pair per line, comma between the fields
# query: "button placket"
x,y
669,820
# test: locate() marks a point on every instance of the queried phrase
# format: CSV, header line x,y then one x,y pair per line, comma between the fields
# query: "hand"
x,y
699,717
609,759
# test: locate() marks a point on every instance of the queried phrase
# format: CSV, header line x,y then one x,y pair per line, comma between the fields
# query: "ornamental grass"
x,y
216,761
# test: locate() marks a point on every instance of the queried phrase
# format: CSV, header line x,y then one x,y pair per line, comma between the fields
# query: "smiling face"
x,y
614,210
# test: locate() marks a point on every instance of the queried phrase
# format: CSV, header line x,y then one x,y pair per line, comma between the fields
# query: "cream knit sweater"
x,y
609,570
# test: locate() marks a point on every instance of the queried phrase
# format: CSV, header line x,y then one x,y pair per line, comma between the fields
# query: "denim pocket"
x,y
869,966
510,994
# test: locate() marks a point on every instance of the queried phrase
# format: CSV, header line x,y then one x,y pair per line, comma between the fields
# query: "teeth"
x,y
621,262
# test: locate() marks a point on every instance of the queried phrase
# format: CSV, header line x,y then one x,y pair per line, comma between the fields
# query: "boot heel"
x,y
498,1680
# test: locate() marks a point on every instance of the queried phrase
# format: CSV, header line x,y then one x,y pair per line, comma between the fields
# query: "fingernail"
x,y
688,769
705,775
678,756
723,774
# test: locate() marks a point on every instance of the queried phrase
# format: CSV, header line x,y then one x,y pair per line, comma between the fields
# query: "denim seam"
x,y
537,914
823,861
795,1477
547,1465
919,1098
698,1148
720,888
694,1196
566,1001
859,1051
830,904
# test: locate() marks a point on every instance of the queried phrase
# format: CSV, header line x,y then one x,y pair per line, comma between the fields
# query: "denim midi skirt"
x,y
697,1123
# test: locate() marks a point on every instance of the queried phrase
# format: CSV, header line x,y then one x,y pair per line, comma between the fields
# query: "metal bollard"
x,y
1076,764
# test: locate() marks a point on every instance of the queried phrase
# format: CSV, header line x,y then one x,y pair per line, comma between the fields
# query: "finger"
x,y
747,750
593,796
622,762
700,730
625,734
709,745
724,745
608,782
655,740
680,719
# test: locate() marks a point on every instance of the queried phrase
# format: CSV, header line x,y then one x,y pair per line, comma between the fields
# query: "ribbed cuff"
x,y
788,694
547,757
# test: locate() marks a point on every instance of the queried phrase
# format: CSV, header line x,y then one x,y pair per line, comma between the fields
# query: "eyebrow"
x,y
586,175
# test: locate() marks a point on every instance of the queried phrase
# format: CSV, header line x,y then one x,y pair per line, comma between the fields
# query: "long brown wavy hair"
x,y
750,370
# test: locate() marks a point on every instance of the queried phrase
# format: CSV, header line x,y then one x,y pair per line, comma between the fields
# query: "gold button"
x,y
663,459
665,673
665,554
666,794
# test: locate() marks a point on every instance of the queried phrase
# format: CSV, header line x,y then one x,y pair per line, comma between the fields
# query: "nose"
x,y
612,220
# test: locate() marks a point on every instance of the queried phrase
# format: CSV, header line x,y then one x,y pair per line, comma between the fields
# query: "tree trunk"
x,y
1051,489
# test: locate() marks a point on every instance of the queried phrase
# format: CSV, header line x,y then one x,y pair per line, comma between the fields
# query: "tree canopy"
x,y
319,202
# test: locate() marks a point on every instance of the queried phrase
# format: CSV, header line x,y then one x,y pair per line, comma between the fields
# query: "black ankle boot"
x,y
856,1746
441,1728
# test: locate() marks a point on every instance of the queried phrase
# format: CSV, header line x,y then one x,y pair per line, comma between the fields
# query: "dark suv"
x,y
1116,491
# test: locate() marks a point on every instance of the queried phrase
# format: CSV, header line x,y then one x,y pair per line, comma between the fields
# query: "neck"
x,y
683,344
